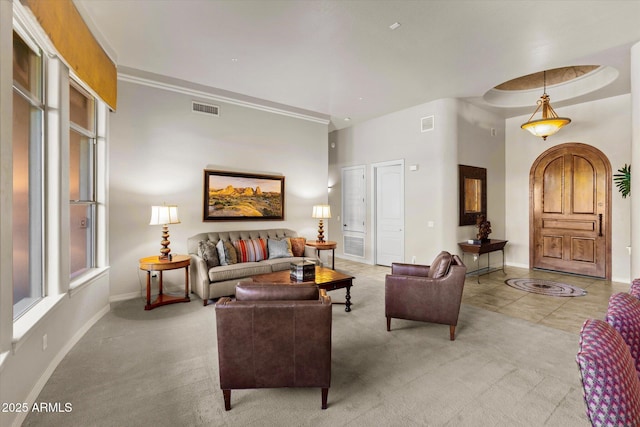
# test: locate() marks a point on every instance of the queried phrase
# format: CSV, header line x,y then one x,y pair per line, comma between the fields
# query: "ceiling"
x,y
340,59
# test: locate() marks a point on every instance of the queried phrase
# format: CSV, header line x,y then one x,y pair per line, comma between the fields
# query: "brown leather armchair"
x,y
274,335
426,293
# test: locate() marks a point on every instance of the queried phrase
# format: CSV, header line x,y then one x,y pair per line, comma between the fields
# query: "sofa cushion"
x,y
238,271
279,264
251,250
279,248
226,252
297,245
276,292
440,266
208,252
232,236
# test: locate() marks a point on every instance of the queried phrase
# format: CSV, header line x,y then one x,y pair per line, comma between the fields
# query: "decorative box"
x,y
303,271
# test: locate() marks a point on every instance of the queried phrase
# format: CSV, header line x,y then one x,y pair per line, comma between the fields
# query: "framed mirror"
x,y
472,183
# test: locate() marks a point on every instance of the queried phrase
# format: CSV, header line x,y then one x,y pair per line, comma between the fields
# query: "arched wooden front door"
x,y
570,211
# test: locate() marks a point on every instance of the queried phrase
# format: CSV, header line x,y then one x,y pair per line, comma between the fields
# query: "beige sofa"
x,y
215,282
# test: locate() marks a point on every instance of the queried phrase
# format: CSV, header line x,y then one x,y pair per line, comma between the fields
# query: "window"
x,y
82,183
28,112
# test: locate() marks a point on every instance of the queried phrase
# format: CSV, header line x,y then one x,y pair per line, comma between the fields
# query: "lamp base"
x,y
165,250
320,232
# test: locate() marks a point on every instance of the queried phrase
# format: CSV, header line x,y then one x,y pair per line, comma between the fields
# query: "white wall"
x,y
158,151
604,124
478,147
461,135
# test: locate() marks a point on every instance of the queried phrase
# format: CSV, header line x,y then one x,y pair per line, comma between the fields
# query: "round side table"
x,y
154,263
324,246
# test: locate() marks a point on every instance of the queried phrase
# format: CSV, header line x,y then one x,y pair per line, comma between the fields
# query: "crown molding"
x,y
204,94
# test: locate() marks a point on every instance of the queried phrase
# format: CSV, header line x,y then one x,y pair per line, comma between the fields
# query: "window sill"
x,y
86,279
23,327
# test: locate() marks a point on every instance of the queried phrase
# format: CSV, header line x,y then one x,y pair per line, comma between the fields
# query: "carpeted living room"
x,y
512,363
155,153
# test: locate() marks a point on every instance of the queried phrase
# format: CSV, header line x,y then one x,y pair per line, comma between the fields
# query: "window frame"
x,y
92,202
36,174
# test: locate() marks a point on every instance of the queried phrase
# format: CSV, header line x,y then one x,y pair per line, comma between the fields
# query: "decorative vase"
x,y
484,228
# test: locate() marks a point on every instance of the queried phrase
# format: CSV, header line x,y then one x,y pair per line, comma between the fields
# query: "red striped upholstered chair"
x,y
635,288
623,313
610,384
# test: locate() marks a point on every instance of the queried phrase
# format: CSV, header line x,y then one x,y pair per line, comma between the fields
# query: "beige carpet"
x,y
159,368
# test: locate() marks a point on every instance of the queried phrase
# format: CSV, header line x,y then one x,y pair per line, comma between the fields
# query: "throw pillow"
x,y
208,252
251,250
279,248
230,253
226,253
220,248
297,245
440,266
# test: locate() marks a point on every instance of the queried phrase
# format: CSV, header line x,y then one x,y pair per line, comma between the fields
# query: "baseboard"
x,y
354,259
621,280
37,388
124,297
517,265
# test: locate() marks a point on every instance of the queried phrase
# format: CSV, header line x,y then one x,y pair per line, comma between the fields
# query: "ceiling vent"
x,y
209,109
427,123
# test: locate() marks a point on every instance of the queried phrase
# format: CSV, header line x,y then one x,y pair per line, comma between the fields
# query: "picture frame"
x,y
472,182
235,196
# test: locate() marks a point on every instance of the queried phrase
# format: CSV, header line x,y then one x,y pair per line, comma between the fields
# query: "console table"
x,y
154,263
478,249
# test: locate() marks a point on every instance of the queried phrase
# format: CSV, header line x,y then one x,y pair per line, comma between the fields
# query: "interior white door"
x,y
389,211
353,199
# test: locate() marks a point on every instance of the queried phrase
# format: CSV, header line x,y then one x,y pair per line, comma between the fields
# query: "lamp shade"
x,y
321,211
545,127
550,123
161,215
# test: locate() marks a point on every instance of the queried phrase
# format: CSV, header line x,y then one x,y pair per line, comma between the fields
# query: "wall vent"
x,y
427,123
354,246
209,109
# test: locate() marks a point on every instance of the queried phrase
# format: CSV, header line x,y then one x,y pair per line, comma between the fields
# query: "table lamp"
x,y
164,215
321,212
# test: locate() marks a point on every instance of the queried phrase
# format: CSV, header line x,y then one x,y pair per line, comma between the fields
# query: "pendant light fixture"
x,y
550,123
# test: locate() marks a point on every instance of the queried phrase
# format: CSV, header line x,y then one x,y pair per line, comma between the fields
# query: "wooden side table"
x,y
154,263
324,246
492,245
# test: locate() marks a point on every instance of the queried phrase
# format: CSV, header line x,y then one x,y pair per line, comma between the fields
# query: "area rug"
x,y
546,287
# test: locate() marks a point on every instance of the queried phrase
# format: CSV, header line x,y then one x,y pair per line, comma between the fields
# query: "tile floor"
x,y
564,313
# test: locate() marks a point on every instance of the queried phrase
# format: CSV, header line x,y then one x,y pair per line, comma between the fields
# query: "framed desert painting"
x,y
233,196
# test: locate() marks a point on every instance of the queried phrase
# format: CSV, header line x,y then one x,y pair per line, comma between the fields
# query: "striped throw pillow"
x,y
251,250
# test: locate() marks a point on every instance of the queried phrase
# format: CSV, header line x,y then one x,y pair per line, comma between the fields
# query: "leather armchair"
x,y
274,335
426,293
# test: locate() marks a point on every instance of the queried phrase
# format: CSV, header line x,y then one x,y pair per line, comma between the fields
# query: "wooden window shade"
x,y
73,40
